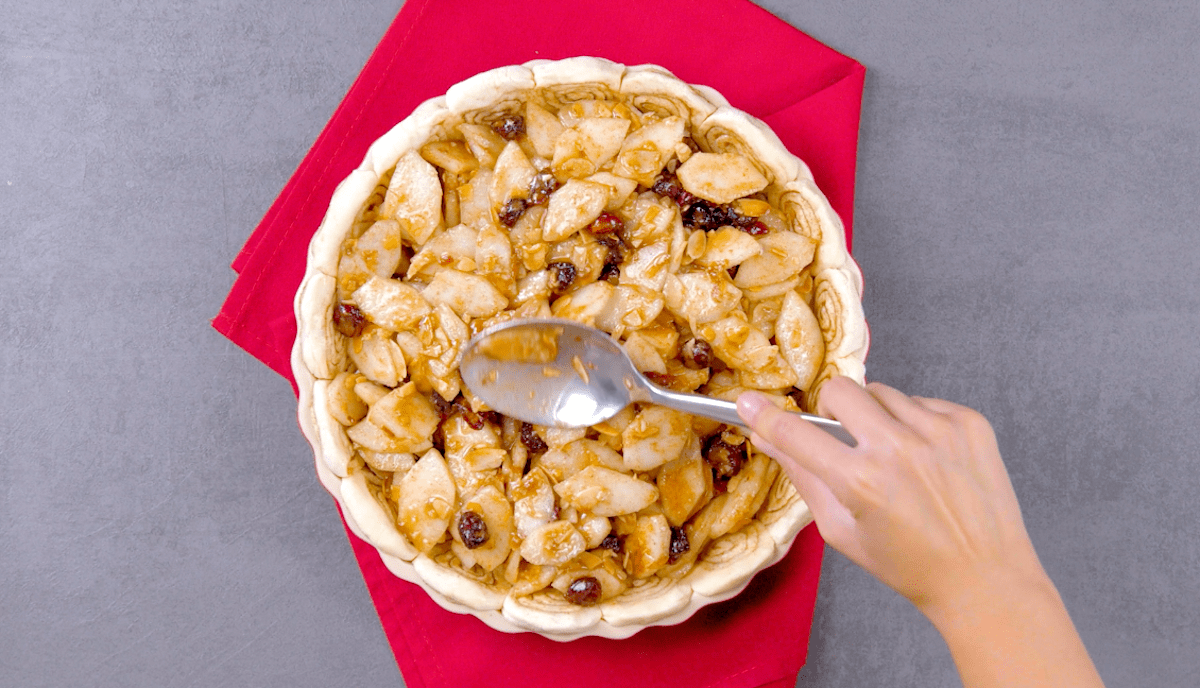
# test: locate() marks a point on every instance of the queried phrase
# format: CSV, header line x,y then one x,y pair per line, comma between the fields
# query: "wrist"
x,y
991,598
1010,628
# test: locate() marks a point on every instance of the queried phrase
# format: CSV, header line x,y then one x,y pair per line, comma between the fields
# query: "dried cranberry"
x,y
616,247
660,379
444,408
679,545
541,187
562,275
607,223
683,198
584,591
348,319
697,354
611,273
732,272
469,416
473,530
532,441
742,221
798,397
756,228
703,215
407,252
493,417
696,216
512,211
616,250
613,543
720,487
729,215
725,458
666,184
510,127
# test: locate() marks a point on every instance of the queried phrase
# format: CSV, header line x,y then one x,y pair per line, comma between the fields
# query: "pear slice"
x,y
783,255
656,435
648,547
685,484
720,177
407,415
574,206
496,511
512,176
605,492
452,156
414,197
727,247
426,501
799,336
391,303
467,294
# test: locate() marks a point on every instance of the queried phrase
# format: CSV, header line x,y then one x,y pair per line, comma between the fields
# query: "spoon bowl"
x,y
559,373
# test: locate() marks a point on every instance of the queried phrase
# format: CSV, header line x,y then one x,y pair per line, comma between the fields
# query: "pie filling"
x,y
605,214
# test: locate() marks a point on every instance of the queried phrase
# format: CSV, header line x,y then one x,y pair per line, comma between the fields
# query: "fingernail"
x,y
750,404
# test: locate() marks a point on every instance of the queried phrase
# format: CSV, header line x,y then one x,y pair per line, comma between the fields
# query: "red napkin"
x,y
809,94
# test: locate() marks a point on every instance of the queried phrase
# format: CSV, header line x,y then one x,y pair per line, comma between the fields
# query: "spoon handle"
x,y
726,411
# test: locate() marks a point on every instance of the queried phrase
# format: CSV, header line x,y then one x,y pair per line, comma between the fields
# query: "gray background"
x,y
1026,220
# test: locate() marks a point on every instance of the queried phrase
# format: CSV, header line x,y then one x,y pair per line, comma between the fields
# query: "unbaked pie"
x,y
619,197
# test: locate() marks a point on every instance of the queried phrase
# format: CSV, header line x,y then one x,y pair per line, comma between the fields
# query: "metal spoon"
x,y
555,372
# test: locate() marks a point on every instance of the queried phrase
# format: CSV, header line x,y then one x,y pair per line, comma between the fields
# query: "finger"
x,y
860,413
833,519
926,423
807,445
980,438
835,522
939,405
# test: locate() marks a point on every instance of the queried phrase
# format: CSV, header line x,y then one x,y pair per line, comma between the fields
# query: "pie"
x,y
619,197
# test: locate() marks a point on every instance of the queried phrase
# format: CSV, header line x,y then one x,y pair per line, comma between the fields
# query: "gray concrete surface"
x,y
1026,220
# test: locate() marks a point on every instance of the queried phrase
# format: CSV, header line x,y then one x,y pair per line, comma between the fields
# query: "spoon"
x,y
559,373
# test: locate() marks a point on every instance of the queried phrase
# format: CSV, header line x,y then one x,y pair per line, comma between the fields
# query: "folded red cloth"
x,y
809,94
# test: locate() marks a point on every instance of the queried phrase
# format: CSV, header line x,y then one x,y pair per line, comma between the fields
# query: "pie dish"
x,y
616,196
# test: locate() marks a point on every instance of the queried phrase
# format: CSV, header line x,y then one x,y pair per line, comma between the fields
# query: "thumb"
x,y
803,443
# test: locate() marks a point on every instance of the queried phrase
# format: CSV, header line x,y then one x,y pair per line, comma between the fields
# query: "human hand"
x,y
923,502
